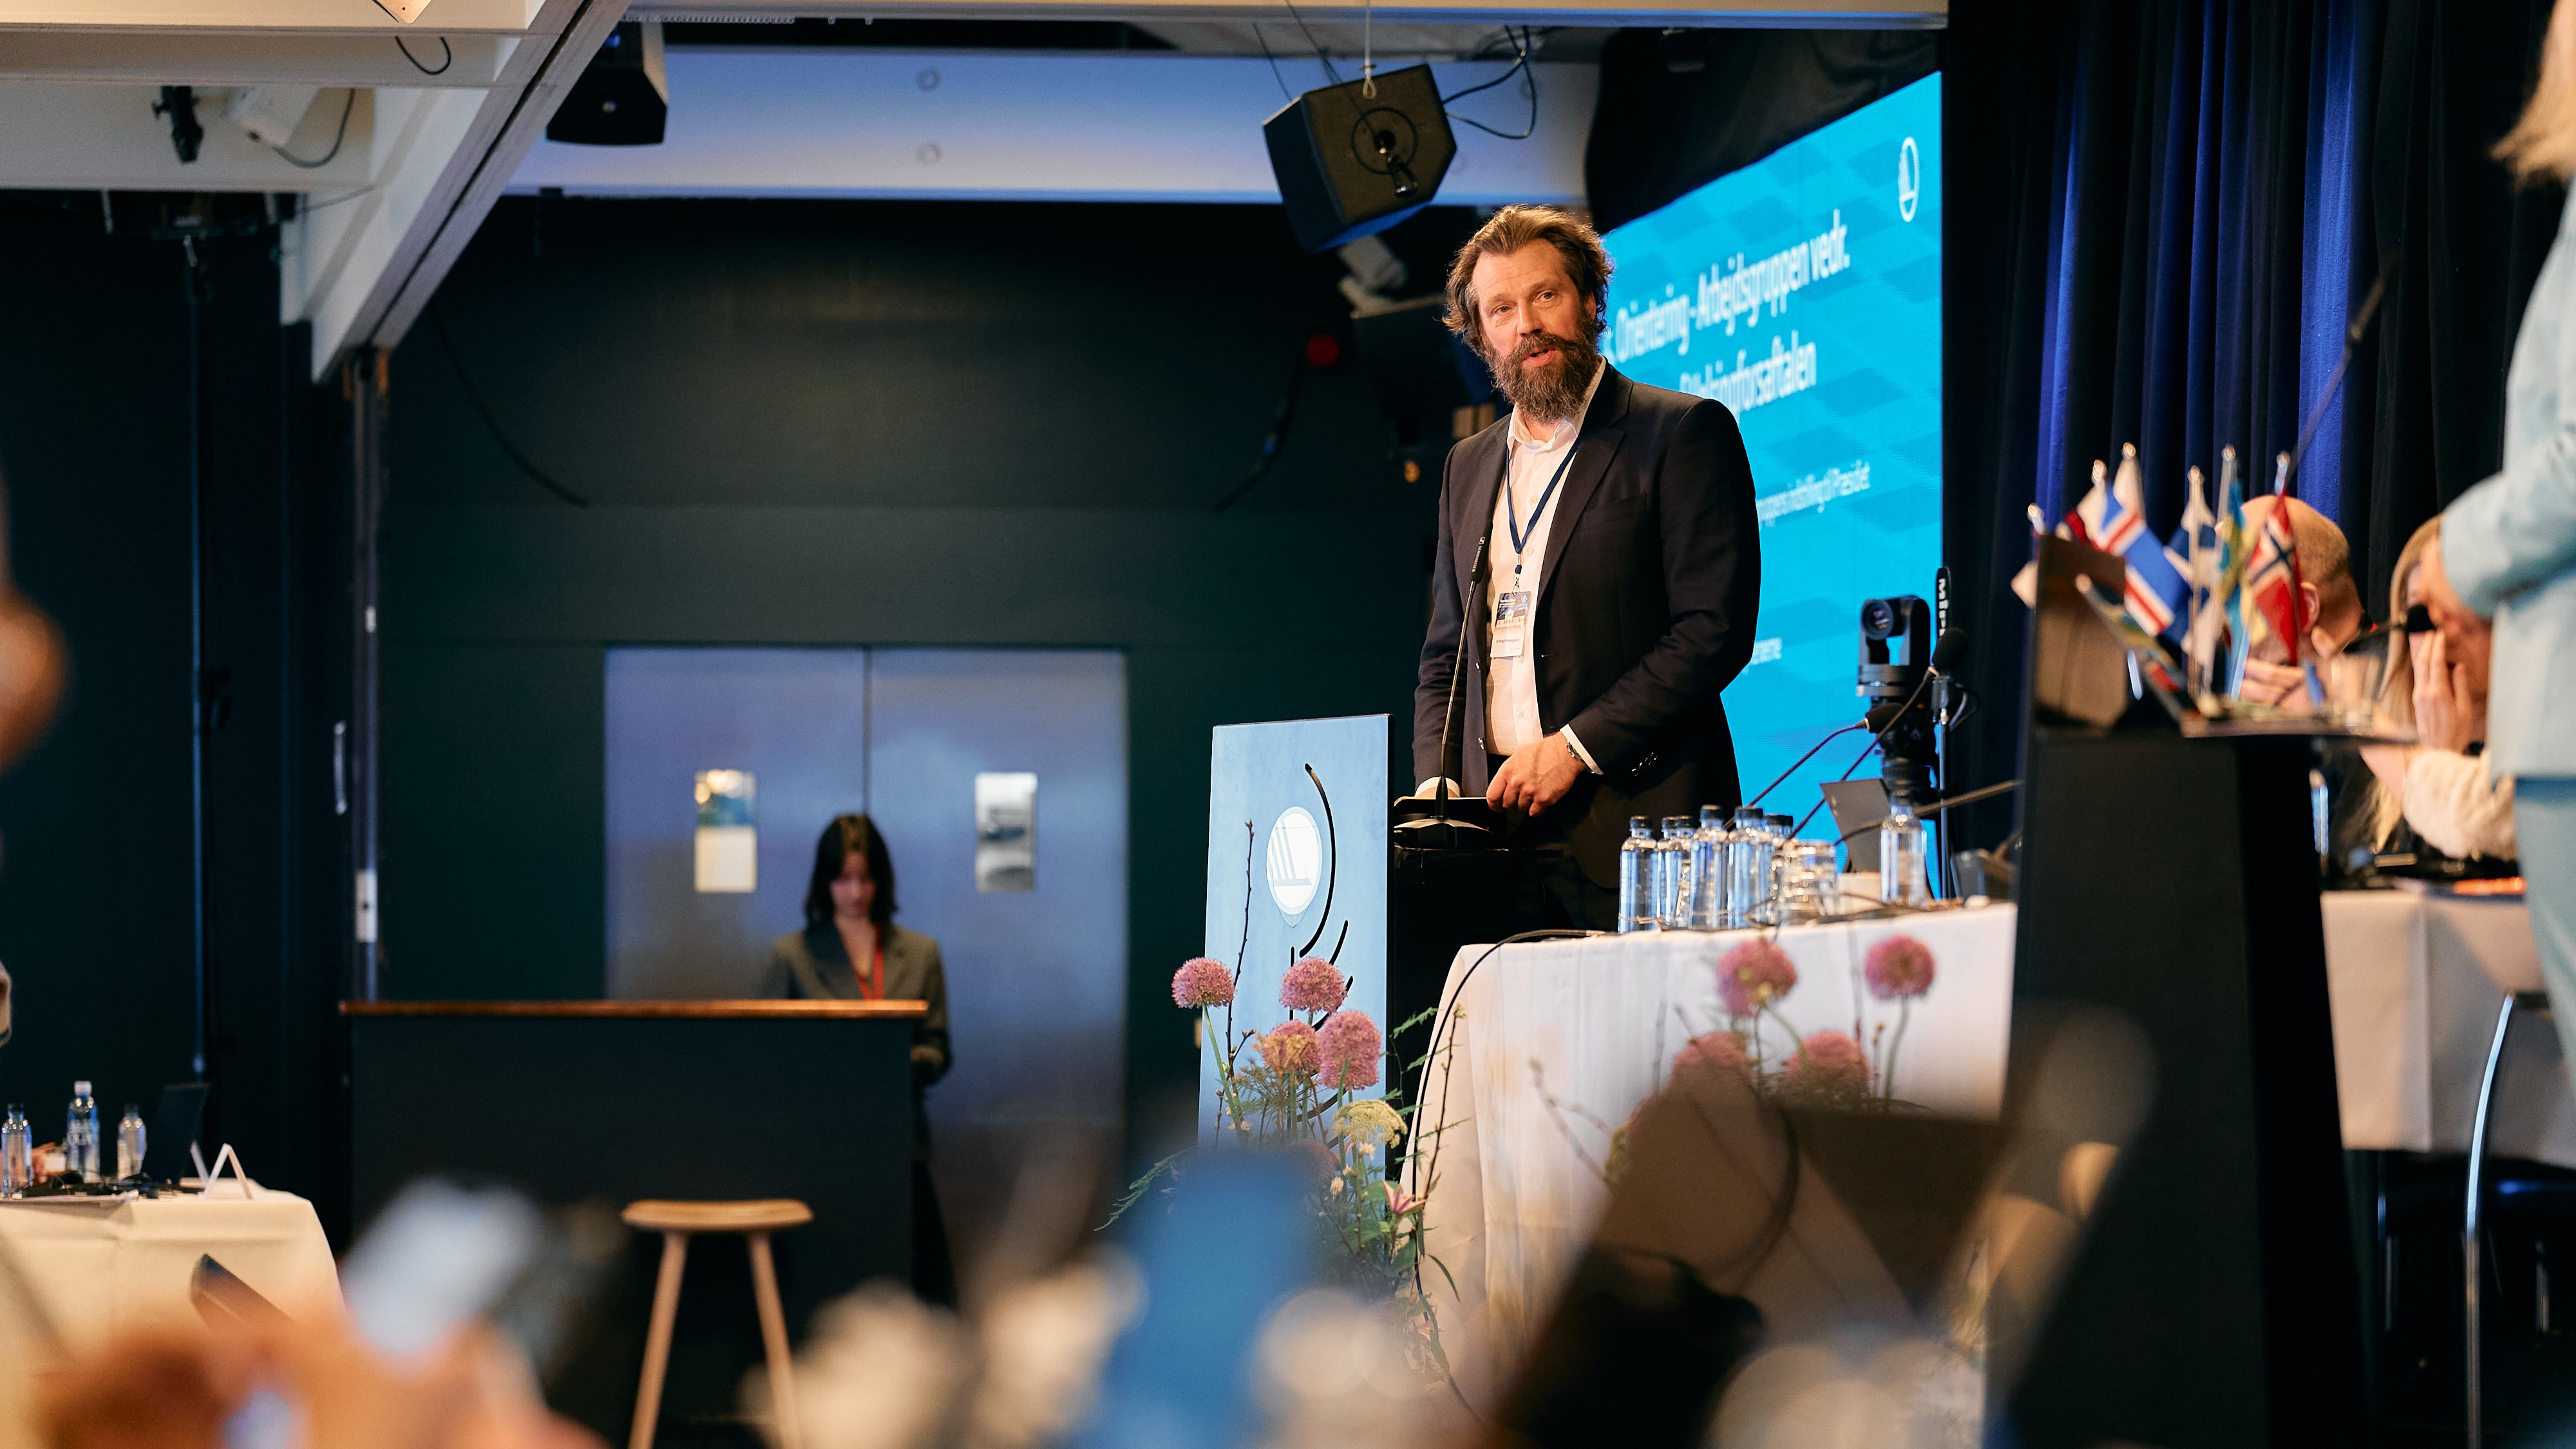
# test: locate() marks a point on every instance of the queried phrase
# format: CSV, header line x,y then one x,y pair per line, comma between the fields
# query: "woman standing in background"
x,y
851,950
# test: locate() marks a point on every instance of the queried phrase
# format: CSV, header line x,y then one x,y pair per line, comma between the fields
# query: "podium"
x,y
2215,1298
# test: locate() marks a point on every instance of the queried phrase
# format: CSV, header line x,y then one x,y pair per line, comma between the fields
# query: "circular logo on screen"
x,y
1296,860
1909,179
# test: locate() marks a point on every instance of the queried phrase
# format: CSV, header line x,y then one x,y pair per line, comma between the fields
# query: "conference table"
x,y
1549,1046
82,1270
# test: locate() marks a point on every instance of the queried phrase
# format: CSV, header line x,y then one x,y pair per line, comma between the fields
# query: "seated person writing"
x,y
2438,685
2329,598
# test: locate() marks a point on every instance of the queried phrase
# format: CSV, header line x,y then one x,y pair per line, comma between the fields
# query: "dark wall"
x,y
95,878
862,423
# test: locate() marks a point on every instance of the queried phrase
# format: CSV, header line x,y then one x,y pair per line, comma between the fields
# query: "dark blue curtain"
x,y
2164,214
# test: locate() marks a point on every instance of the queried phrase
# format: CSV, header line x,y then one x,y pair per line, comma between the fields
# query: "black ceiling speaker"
x,y
1350,163
622,97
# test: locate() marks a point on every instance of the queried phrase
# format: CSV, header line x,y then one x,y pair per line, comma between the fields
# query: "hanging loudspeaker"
x,y
1350,163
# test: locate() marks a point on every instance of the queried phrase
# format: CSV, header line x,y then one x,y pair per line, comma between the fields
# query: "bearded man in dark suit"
x,y
1599,548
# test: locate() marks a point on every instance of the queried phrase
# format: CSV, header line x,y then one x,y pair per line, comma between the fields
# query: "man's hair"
x,y
1587,263
2542,145
2325,560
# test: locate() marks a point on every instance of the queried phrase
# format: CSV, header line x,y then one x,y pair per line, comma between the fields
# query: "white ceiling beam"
x,y
77,137
297,17
362,278
160,58
1136,126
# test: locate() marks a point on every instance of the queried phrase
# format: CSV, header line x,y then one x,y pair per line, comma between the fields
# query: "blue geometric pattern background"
x,y
1804,291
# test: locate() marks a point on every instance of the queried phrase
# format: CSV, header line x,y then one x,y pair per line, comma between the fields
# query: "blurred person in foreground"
x,y
180,1387
2508,548
2439,788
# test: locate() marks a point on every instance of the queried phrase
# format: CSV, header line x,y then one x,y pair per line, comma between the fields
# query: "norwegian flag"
x,y
2272,583
2115,520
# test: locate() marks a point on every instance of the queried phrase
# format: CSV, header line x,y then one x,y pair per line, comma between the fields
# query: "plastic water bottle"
x,y
1636,885
1672,889
1781,829
1901,852
129,1143
1748,869
17,1153
1708,871
80,1134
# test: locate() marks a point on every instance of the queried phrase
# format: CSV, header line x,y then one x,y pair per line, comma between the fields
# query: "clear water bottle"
x,y
1748,869
1708,871
1672,887
80,1134
129,1142
1636,872
1902,844
17,1153
1783,835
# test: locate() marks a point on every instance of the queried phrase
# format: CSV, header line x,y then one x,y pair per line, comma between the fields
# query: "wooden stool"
x,y
676,1221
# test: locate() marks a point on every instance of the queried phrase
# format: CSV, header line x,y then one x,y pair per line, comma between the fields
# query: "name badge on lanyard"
x,y
1510,634
1511,623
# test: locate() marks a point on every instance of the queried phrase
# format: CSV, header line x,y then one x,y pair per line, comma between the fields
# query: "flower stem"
x,y
1887,1073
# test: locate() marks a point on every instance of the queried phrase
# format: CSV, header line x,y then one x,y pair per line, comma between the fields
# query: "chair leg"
x,y
773,1338
2474,1399
657,1340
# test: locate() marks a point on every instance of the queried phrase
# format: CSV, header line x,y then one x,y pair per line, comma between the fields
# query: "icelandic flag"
x,y
2115,519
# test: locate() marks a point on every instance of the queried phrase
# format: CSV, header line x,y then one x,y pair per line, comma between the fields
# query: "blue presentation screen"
x,y
1804,292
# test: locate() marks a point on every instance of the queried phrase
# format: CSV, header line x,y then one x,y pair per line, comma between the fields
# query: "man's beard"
x,y
1551,393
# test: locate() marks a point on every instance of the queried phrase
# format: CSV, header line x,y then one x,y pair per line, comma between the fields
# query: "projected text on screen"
x,y
1804,292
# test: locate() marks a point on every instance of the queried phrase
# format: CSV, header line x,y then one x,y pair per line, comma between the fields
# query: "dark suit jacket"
x,y
1645,611
813,965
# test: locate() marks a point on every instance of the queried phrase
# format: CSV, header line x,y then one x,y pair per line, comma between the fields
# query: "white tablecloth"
x,y
95,1269
1594,1024
2413,981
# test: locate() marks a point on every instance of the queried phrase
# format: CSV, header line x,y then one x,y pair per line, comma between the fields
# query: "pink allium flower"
x,y
1290,1047
1351,1047
1202,982
1723,1050
1312,985
1898,966
1831,1061
1752,976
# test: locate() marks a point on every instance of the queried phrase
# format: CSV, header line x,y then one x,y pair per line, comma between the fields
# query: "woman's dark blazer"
x,y
813,965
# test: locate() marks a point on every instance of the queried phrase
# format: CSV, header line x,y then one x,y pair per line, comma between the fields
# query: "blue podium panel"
x,y
1297,839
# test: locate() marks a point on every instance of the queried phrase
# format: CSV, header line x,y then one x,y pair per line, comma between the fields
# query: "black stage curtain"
x,y
2164,214
2468,247
1680,108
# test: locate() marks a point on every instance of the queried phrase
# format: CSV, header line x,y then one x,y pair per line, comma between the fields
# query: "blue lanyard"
x,y
1511,509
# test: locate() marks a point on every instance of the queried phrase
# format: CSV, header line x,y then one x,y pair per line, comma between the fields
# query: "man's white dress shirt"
x,y
1513,581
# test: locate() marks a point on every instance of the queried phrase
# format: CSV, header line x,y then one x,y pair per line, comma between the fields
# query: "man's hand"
x,y
1535,777
2285,685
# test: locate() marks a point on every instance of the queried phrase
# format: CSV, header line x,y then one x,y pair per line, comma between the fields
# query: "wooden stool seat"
x,y
754,1219
758,1215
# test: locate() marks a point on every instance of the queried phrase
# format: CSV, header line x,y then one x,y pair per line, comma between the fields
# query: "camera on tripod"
x,y
1896,642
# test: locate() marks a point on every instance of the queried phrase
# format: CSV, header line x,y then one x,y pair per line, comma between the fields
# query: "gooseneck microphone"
x,y
1457,666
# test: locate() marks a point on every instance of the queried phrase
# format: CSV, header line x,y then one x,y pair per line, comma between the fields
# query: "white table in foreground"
x,y
96,1268
1594,1025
